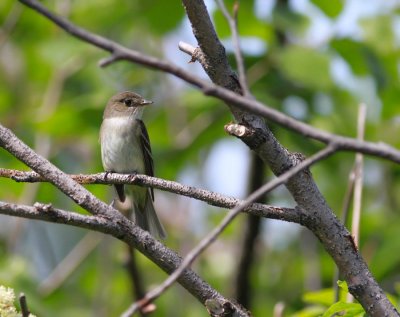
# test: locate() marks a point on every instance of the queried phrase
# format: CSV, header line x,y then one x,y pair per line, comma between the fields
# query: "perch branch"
x,y
212,198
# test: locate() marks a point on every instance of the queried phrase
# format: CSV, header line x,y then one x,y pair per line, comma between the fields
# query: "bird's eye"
x,y
128,102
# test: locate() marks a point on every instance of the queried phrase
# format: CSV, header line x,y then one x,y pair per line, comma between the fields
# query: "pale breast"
x,y
120,146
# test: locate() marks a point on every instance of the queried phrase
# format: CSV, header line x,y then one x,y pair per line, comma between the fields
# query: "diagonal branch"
x,y
120,52
212,198
114,222
321,220
213,235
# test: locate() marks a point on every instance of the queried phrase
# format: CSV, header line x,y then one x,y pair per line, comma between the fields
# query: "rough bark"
x,y
320,219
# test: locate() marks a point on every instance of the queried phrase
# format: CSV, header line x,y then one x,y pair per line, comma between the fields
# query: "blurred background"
x,y
313,60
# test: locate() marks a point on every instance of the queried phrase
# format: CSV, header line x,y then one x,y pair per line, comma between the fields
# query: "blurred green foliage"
x,y
318,63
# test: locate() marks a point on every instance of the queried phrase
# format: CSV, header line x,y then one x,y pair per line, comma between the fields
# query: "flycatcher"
x,y
125,148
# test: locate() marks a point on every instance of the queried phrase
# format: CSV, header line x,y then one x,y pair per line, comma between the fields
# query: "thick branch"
x,y
212,198
336,239
245,104
114,222
215,62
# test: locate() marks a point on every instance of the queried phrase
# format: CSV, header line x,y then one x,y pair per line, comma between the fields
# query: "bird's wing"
x,y
146,150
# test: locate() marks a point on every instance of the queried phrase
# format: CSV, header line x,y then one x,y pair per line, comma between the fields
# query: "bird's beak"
x,y
146,102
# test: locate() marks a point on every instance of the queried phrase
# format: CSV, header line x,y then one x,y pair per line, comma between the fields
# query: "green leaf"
x,y
353,53
324,297
248,24
392,259
286,20
364,61
378,33
306,67
343,286
331,8
312,311
160,16
348,309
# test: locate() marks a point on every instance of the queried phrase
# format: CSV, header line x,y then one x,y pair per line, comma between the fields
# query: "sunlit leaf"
x,y
153,15
306,67
354,53
248,23
343,286
345,309
378,33
312,311
323,297
331,8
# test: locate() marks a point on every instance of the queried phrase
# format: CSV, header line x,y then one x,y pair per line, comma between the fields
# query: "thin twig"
x,y
348,195
358,183
358,177
344,215
233,25
212,198
24,305
186,48
279,309
248,104
354,188
211,237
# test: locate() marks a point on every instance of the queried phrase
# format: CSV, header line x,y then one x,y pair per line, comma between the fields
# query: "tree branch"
x,y
212,198
212,236
108,220
217,68
321,220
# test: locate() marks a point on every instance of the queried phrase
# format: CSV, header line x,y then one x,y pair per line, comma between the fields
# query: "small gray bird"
x,y
125,148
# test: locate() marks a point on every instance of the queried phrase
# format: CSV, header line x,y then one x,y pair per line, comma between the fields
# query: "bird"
x,y
125,148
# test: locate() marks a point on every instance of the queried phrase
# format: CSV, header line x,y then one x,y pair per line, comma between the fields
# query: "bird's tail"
x,y
147,219
138,206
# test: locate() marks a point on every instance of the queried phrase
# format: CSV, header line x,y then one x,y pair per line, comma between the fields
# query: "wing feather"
x,y
146,150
